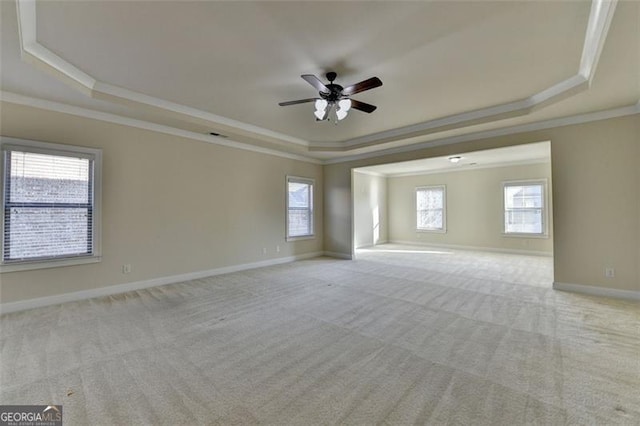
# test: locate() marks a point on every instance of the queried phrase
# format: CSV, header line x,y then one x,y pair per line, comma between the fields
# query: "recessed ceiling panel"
x,y
239,59
539,152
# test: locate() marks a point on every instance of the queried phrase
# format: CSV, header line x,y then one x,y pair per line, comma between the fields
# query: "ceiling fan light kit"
x,y
334,100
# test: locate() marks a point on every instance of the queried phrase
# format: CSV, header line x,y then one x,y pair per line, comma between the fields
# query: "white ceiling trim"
x,y
599,21
18,99
467,168
540,125
34,52
31,51
600,17
440,124
110,91
14,98
370,173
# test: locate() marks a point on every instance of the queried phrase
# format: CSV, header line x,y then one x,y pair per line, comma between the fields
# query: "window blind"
x,y
48,205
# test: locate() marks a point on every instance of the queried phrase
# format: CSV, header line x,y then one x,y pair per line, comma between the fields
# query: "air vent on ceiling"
x,y
217,134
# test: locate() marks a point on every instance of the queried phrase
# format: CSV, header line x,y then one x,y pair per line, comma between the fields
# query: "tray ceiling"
x,y
448,68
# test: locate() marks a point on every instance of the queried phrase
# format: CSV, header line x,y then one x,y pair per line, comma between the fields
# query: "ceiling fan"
x,y
333,97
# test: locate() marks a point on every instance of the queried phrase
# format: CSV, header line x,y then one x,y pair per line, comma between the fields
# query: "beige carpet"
x,y
400,336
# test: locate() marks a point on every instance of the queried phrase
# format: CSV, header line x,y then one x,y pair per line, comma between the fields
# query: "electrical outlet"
x,y
264,250
126,268
277,249
609,272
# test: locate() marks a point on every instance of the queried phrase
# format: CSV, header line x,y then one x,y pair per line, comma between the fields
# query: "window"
x,y
299,208
524,208
431,208
50,205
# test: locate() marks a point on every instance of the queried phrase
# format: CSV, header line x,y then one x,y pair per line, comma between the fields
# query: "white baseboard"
x,y
337,255
366,246
22,305
476,248
597,291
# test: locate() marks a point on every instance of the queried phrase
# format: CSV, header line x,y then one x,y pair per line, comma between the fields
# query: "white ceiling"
x,y
224,66
531,153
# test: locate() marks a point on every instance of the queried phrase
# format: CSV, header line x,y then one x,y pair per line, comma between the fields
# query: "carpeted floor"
x,y
402,335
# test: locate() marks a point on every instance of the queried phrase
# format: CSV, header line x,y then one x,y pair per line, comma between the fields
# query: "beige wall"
x,y
170,205
474,208
369,209
596,196
169,208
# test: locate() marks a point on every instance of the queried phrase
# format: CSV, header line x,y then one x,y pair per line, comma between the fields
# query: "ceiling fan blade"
x,y
362,106
300,101
315,82
368,84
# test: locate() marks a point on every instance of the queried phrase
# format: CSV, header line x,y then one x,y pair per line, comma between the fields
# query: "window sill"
x,y
27,266
302,237
438,231
523,235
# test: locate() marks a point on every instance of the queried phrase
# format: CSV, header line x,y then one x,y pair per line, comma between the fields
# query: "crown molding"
x,y
35,53
522,128
470,168
600,17
17,99
114,93
14,98
371,173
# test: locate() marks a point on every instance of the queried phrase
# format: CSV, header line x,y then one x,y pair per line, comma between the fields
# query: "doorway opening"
x,y
490,207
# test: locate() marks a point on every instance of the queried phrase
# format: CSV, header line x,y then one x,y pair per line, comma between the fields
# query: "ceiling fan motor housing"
x,y
334,94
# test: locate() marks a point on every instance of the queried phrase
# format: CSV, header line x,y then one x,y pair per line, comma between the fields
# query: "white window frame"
x,y
311,208
444,208
545,210
65,150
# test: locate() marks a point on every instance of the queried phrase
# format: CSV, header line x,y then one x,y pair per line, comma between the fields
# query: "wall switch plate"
x,y
126,268
609,272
